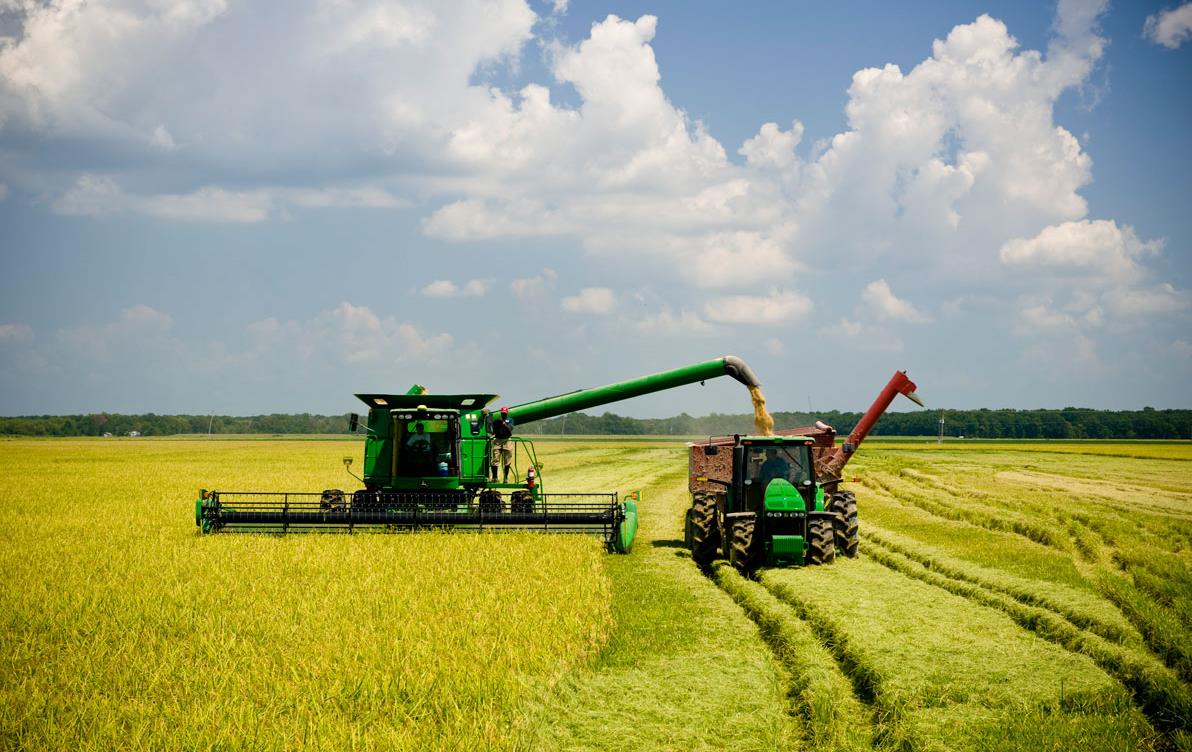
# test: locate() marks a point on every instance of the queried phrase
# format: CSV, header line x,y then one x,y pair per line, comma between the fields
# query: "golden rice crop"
x,y
123,628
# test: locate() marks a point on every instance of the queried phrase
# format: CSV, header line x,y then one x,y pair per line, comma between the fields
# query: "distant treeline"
x,y
1068,423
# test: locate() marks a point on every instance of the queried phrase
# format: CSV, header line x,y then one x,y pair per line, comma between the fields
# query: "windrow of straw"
x,y
948,673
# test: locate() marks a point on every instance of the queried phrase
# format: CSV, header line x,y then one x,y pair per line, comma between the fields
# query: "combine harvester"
x,y
444,482
776,499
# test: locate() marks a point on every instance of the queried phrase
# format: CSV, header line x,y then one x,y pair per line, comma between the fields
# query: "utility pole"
x,y
941,439
210,420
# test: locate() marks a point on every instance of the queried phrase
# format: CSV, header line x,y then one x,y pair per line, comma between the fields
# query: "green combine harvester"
x,y
443,482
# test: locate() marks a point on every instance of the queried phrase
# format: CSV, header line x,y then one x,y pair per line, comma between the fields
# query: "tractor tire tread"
x,y
744,554
705,531
821,542
848,530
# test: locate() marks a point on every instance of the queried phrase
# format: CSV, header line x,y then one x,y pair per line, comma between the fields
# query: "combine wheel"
x,y
365,501
821,546
521,502
490,502
744,553
705,533
844,505
333,500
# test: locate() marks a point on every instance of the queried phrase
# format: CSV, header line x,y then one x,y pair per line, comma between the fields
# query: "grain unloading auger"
x,y
444,482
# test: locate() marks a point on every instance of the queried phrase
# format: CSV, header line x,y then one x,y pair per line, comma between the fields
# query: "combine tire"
x,y
521,502
705,533
844,505
333,500
821,545
490,502
744,553
365,501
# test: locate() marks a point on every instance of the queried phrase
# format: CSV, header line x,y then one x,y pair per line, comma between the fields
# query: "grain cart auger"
x,y
772,500
412,482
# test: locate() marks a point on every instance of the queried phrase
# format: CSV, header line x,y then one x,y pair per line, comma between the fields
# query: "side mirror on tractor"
x,y
353,422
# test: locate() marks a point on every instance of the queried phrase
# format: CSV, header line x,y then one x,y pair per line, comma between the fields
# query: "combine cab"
x,y
774,500
426,466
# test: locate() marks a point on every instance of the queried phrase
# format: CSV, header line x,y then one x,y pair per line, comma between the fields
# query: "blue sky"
x,y
210,205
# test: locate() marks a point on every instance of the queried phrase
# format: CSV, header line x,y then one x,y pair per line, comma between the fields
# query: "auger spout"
x,y
581,399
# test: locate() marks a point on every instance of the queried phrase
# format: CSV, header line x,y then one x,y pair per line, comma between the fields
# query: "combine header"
x,y
776,499
426,466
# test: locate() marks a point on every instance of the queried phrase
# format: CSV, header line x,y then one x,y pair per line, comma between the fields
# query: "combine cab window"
x,y
423,446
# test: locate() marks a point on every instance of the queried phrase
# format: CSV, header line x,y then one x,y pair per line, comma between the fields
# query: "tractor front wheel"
x,y
821,543
744,553
848,537
705,533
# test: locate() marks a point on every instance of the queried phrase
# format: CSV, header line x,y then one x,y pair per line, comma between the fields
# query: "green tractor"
x,y
427,462
755,502
774,500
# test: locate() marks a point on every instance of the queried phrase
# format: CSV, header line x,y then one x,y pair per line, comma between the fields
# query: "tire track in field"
x,y
1157,690
832,704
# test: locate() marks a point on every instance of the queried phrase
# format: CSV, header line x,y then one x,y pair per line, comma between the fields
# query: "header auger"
x,y
426,466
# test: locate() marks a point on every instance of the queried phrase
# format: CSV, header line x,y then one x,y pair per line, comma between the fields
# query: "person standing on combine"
x,y
503,444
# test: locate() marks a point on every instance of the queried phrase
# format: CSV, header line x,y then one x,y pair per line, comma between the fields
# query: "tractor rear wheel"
x,y
848,537
744,552
821,543
705,532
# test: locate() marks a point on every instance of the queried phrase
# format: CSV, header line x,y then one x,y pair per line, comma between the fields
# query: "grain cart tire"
x,y
490,502
821,542
705,532
848,536
521,502
744,552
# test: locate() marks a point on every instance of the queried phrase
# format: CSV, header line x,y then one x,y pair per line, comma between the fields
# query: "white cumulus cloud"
x,y
1098,246
595,300
1171,27
445,288
887,306
775,308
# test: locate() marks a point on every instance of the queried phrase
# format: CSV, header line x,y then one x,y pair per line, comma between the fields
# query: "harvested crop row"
x,y
948,673
1081,608
1162,630
684,669
964,540
990,519
1159,693
835,717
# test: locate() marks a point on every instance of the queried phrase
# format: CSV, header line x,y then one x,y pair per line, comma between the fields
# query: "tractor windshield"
x,y
425,448
765,463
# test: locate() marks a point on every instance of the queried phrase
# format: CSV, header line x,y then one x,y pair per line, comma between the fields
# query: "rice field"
x,y
1008,596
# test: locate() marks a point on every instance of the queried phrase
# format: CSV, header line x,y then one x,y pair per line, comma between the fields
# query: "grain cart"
x,y
772,500
411,482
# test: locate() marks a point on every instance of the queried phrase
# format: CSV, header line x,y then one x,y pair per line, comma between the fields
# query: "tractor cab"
x,y
766,459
